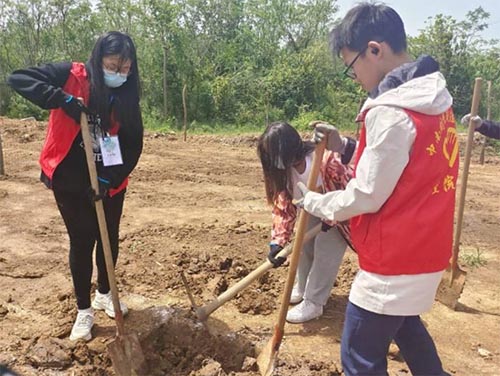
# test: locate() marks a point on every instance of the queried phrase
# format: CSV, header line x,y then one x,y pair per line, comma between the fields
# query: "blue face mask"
x,y
114,79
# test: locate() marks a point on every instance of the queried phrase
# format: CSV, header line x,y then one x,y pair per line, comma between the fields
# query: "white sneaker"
x,y
297,295
304,311
83,325
105,302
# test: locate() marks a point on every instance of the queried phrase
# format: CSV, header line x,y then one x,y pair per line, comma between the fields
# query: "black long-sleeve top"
x,y
43,86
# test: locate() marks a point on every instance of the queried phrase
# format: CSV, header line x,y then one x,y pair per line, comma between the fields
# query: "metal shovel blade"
x,y
266,361
127,357
451,287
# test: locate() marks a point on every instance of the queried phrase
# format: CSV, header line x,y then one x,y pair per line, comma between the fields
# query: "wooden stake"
x,y
165,82
184,105
2,171
488,117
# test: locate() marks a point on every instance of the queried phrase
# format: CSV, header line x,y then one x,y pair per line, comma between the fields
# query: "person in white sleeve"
x,y
401,200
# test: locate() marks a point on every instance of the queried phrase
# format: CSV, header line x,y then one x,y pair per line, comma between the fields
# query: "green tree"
x,y
456,45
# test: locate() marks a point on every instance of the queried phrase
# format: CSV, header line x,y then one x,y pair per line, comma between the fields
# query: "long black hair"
x,y
124,100
279,148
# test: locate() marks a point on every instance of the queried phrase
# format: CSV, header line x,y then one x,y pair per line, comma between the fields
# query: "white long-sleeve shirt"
x,y
390,134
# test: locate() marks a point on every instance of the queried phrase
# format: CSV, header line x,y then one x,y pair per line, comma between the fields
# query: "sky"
x,y
416,12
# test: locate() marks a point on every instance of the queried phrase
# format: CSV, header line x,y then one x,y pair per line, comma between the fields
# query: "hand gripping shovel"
x,y
267,358
125,350
453,281
204,311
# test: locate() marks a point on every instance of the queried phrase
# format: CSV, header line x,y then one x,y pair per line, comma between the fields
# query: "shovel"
x,y
268,356
204,311
453,281
125,350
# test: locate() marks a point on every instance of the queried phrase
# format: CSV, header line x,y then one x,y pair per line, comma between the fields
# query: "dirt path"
x,y
200,206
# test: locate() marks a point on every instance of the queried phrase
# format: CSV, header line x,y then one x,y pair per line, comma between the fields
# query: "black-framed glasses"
x,y
349,71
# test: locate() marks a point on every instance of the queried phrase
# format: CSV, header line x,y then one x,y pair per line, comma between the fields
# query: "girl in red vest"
x,y
286,160
107,88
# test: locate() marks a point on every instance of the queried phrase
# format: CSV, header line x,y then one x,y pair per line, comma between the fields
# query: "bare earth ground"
x,y
199,206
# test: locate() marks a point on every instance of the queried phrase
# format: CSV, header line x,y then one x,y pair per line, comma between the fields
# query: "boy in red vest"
x,y
401,200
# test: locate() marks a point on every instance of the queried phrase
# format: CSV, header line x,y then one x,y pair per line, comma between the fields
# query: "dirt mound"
x,y
174,343
179,344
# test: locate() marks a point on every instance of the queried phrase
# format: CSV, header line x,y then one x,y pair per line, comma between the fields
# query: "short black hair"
x,y
368,22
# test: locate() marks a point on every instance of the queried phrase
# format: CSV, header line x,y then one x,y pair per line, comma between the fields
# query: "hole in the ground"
x,y
179,344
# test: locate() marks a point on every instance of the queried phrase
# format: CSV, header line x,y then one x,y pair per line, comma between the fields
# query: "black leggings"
x,y
80,219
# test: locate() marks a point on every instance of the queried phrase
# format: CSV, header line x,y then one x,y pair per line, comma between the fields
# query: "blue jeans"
x,y
367,336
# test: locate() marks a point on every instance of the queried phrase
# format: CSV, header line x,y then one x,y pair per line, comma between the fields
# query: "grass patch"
x,y
473,258
301,123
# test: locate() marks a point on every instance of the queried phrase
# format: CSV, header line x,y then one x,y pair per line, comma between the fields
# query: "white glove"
x,y
336,142
476,121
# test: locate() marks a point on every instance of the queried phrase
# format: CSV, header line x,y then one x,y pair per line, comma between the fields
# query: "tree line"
x,y
243,62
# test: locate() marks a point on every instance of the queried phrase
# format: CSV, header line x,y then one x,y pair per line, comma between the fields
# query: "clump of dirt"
x,y
47,355
261,297
306,367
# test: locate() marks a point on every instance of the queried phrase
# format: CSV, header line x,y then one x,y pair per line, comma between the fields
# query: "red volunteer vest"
x,y
412,233
62,129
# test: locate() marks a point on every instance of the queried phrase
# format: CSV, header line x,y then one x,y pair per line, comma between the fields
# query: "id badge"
x,y
110,150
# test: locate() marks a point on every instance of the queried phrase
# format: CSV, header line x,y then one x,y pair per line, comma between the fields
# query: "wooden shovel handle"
x,y
297,246
476,97
101,219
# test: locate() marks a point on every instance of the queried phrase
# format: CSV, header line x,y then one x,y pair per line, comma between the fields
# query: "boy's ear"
x,y
375,48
